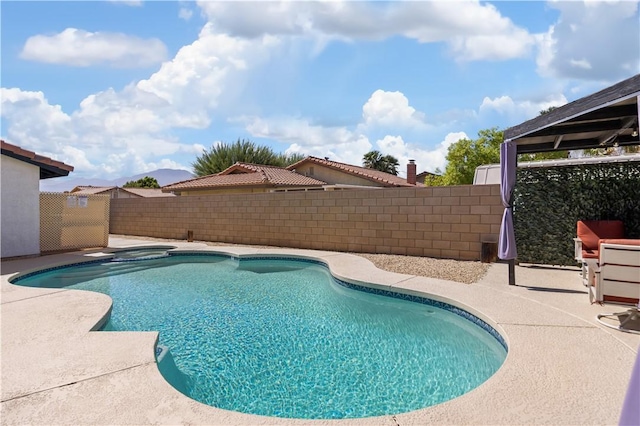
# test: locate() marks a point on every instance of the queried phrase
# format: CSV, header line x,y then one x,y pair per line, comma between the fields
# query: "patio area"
x,y
562,366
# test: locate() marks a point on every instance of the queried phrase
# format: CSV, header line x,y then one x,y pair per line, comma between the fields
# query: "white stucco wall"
x,y
20,208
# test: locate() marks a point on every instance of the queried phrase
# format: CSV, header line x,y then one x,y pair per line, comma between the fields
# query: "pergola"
x,y
607,118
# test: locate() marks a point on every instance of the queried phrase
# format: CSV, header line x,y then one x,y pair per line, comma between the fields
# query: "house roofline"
x,y
49,168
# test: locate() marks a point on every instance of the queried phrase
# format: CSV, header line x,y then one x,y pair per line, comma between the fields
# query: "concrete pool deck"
x,y
562,366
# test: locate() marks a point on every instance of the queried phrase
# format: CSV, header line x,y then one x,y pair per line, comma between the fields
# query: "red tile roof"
x,y
49,168
246,174
90,190
386,179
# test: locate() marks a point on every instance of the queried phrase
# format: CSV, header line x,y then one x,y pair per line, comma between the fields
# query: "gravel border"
x,y
461,271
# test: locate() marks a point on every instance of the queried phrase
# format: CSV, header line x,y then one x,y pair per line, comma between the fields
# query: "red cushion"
x,y
619,299
591,232
589,254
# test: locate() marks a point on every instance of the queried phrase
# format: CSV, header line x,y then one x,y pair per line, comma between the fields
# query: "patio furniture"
x,y
589,235
617,280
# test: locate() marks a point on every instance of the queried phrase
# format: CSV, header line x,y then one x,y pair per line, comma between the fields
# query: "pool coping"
x,y
555,346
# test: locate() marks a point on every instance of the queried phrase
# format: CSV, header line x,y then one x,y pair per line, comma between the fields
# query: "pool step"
x,y
170,370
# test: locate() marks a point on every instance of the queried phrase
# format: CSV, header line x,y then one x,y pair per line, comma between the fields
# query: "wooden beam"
x,y
583,127
557,141
604,139
568,145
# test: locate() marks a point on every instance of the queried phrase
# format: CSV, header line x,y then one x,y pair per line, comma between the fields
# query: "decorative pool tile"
x,y
288,259
429,302
204,253
139,259
55,268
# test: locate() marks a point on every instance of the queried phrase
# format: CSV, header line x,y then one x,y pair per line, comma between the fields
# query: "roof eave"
x,y
606,97
510,132
47,171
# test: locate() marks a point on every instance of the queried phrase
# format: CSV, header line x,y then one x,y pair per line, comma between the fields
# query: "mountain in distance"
x,y
67,183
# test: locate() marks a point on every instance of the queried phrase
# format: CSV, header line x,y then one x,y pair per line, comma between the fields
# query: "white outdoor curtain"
x,y
507,241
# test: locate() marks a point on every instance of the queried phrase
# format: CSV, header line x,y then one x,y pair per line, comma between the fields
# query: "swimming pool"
x,y
282,337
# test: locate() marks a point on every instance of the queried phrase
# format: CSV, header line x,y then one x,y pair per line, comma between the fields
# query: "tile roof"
x,y
386,179
49,168
140,192
246,174
90,190
147,192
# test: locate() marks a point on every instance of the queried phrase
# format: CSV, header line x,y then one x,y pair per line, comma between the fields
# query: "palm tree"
x,y
222,156
390,164
375,160
371,159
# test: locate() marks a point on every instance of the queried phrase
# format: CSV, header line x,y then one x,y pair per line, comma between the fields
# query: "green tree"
x,y
539,156
288,159
465,155
223,155
609,150
435,179
371,159
384,163
145,182
548,110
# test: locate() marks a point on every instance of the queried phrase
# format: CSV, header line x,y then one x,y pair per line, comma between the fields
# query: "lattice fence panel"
x,y
69,222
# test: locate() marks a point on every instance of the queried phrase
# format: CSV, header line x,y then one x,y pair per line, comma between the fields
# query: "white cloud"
x,y
185,13
390,109
194,80
338,143
196,148
519,110
77,158
477,31
134,125
547,51
127,2
496,47
207,78
426,159
83,48
33,121
382,109
581,63
592,40
474,31
134,139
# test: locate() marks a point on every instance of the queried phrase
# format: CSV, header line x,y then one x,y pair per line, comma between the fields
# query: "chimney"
x,y
411,172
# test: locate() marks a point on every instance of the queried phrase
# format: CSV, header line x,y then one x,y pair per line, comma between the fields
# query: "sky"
x,y
117,88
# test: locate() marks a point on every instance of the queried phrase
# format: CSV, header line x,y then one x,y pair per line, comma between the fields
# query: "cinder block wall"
x,y
446,222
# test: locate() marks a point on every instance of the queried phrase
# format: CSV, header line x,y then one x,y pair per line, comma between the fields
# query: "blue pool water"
x,y
283,338
141,253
